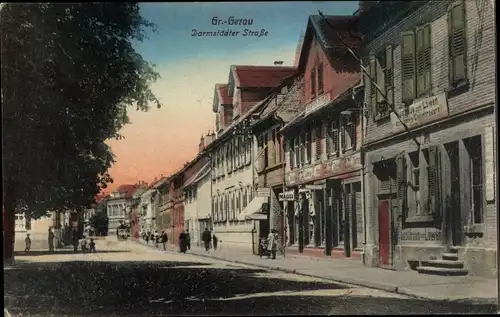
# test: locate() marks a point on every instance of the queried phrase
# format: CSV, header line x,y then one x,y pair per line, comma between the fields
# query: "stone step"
x,y
442,271
444,264
450,256
454,250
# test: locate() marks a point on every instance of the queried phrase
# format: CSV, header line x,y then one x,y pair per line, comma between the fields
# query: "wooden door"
x,y
384,240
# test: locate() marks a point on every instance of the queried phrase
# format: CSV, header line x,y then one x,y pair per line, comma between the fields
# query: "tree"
x,y
99,222
69,72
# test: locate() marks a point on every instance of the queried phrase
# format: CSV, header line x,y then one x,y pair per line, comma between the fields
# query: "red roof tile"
x,y
128,190
262,76
225,99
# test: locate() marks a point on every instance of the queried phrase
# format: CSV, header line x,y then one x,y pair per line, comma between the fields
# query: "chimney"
x,y
201,145
209,138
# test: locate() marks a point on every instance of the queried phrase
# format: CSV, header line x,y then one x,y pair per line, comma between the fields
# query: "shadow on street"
x,y
194,288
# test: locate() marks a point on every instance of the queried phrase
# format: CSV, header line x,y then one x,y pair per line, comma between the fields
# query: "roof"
x,y
224,98
326,34
128,190
160,182
252,76
198,176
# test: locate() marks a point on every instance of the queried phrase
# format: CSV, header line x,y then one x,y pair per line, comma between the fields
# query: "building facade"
x,y
284,105
234,197
146,210
117,205
322,154
164,207
430,135
197,193
177,189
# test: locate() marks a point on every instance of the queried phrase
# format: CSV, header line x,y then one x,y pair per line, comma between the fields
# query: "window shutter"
x,y
318,139
335,136
427,59
373,89
456,43
320,78
297,150
389,75
420,61
308,145
352,129
381,101
343,130
434,183
408,66
313,82
401,180
328,135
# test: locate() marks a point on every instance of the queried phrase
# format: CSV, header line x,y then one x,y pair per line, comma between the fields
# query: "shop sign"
x,y
421,112
317,103
344,164
287,196
314,187
305,174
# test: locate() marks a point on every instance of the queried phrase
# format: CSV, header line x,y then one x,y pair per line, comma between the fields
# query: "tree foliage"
x,y
99,221
69,73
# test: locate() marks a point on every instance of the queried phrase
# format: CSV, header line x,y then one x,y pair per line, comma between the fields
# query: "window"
x,y
474,149
332,144
266,150
320,78
416,63
319,130
297,151
414,180
291,154
349,132
423,61
308,146
313,83
457,43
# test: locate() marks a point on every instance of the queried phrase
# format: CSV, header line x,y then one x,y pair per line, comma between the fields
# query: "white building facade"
x,y
197,204
146,208
116,211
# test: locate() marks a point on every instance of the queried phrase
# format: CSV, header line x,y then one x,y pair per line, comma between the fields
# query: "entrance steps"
x,y
448,265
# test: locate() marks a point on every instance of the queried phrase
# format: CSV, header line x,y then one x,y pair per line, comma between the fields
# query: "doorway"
x,y
384,221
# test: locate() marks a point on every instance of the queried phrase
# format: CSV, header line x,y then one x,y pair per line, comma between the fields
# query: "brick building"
x,y
430,140
322,154
234,197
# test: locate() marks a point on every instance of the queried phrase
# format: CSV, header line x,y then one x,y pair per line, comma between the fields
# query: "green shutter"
x,y
433,181
389,75
373,89
408,66
457,43
401,183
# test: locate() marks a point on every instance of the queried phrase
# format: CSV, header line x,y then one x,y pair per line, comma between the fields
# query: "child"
x,y
92,245
28,243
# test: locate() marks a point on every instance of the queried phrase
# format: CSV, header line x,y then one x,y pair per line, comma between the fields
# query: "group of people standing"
x,y
208,237
156,238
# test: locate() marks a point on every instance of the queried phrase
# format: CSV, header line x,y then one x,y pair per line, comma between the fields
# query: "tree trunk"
x,y
9,229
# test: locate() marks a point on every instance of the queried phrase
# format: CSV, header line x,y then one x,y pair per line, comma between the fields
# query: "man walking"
x,y
206,237
164,240
27,241
51,240
187,236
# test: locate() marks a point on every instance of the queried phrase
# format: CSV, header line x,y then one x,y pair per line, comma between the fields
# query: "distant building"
x,y
116,206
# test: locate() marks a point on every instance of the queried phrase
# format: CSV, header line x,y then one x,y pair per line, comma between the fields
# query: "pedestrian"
x,y
164,240
156,237
92,245
188,240
206,237
215,241
51,240
83,244
27,241
272,243
182,241
74,240
148,234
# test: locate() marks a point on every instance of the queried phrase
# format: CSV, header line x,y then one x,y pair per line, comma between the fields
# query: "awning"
x,y
255,206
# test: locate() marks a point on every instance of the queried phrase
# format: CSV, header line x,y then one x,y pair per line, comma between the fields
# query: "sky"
x,y
160,141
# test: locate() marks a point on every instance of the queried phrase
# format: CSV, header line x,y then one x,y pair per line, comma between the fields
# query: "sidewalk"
x,y
456,288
